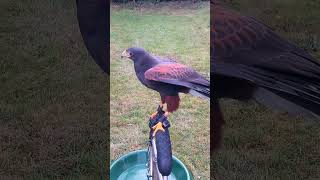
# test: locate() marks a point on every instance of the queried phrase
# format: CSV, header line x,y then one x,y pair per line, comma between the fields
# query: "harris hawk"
x,y
250,61
167,77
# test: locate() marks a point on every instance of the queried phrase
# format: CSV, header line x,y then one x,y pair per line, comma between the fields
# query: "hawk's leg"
x,y
155,113
159,125
216,125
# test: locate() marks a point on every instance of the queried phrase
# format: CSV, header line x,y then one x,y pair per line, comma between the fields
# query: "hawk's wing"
x,y
243,40
178,74
246,49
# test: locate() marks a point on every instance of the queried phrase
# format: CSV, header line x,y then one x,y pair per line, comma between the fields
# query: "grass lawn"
x,y
53,96
261,144
179,30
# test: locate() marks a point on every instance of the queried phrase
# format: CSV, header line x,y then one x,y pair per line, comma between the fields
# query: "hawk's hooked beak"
x,y
125,54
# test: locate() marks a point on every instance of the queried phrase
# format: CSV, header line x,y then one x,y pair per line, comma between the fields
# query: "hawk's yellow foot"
x,y
157,127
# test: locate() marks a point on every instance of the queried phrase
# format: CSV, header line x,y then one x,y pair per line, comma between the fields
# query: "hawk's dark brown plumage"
x,y
167,77
249,60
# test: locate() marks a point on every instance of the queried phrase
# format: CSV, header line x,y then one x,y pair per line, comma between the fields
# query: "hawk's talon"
x,y
160,109
153,114
157,127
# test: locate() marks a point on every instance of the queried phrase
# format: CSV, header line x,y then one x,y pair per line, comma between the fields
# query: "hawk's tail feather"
x,y
283,102
297,95
200,92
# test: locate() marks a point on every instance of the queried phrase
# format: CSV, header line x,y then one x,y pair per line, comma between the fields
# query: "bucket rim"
x,y
184,167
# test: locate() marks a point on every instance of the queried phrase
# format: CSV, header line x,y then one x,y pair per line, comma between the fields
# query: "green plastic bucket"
x,y
132,166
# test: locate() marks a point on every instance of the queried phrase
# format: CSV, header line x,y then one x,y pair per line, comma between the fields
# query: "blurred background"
x,y
53,97
259,143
